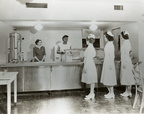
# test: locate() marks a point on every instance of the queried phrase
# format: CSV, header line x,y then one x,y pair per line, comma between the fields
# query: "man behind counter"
x,y
39,52
63,45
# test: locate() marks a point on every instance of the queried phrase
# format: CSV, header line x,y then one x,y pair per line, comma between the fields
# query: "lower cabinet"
x,y
65,77
37,78
55,77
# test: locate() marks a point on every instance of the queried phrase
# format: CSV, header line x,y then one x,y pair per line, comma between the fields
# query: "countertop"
x,y
22,64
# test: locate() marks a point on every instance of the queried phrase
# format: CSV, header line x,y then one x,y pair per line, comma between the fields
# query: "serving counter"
x,y
43,76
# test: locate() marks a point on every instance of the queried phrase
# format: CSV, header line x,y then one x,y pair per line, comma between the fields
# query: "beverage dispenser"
x,y
14,54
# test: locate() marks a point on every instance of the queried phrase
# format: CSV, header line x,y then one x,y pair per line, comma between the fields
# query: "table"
x,y
6,78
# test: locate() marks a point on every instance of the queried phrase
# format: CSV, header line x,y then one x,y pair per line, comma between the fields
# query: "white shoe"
x,y
126,94
90,97
110,96
106,94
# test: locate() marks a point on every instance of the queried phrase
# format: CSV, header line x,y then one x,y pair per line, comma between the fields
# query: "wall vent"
x,y
118,7
36,5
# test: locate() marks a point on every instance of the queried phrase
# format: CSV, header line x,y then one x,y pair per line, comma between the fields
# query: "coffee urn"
x,y
15,41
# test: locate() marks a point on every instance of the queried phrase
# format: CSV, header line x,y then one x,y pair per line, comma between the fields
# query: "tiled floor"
x,y
70,102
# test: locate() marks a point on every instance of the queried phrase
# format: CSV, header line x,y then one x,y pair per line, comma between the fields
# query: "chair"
x,y
139,86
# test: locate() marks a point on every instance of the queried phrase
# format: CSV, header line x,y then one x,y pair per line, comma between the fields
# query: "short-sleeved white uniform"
x,y
127,77
108,76
90,76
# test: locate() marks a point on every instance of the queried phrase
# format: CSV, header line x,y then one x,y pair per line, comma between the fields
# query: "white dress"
x,y
90,76
108,76
127,77
63,47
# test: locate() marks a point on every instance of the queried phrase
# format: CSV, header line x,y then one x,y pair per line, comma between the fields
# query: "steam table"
x,y
6,78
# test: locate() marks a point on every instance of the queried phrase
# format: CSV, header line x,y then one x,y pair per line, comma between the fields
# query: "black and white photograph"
x,y
71,56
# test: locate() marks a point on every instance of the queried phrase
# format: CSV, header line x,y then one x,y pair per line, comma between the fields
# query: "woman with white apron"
x,y
127,77
89,74
108,77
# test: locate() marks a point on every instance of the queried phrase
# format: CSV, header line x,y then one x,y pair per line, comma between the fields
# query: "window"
x,y
96,43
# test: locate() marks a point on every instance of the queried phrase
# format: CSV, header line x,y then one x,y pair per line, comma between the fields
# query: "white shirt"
x,y
63,47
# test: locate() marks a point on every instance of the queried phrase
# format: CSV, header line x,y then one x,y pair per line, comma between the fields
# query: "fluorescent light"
x,y
93,27
38,27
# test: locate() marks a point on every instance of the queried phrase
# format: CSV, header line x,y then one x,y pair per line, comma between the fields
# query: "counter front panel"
x,y
52,76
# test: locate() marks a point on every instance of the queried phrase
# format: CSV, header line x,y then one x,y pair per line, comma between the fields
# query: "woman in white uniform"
x,y
89,74
127,77
108,77
63,45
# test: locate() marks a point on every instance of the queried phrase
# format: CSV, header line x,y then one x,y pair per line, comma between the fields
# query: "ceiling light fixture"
x,y
38,27
93,27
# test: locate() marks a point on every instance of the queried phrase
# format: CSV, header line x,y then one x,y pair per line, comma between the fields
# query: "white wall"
x,y
49,39
4,35
101,10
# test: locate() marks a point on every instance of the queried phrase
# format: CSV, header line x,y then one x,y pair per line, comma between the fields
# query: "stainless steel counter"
x,y
44,76
23,64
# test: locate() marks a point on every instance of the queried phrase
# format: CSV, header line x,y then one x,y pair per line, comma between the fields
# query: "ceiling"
x,y
67,24
22,18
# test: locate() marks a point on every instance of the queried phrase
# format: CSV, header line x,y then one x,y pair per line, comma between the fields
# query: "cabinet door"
x,y
37,78
65,77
